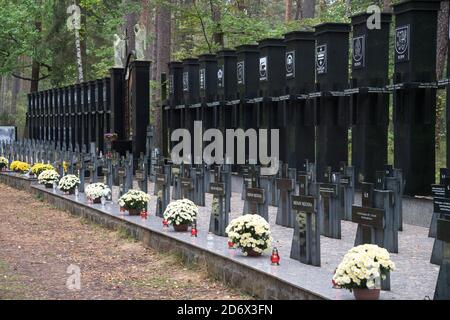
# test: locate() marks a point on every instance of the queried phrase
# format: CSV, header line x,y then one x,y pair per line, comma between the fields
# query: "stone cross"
x,y
219,211
162,185
394,182
246,179
286,186
60,163
92,168
107,171
442,211
157,168
375,218
307,180
187,183
81,168
372,219
347,185
197,172
141,173
442,291
391,179
306,241
441,190
149,149
128,172
207,177
255,196
121,174
176,182
329,206
274,194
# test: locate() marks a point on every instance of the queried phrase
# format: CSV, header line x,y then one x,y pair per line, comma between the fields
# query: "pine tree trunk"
x,y
309,9
287,10
163,44
441,51
15,90
298,10
35,71
1,94
216,15
442,39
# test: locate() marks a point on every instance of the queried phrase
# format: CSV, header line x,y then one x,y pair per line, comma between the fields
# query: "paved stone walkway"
x,y
415,277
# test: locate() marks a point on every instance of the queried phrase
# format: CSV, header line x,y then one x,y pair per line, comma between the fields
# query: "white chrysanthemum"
x,y
68,182
3,162
97,190
134,199
182,211
363,266
48,177
250,232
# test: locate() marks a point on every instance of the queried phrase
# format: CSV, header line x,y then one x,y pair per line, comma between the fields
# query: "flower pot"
x,y
366,294
97,201
253,253
71,191
49,186
181,227
134,212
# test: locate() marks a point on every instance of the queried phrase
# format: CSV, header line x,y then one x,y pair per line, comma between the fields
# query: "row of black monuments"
x,y
78,114
301,83
82,114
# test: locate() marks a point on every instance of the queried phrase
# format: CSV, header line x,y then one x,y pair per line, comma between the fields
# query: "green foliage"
x,y
54,45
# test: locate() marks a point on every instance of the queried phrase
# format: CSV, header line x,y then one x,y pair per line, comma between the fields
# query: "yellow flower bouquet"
x,y
38,168
20,167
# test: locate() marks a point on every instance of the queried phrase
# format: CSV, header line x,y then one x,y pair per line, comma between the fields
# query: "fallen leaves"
x,y
112,267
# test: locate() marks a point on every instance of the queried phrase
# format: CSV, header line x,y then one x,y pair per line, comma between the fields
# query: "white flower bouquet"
x,y
96,191
251,233
181,212
48,177
3,163
68,183
134,200
362,267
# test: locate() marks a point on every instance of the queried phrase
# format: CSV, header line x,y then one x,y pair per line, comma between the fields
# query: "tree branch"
x,y
203,27
29,79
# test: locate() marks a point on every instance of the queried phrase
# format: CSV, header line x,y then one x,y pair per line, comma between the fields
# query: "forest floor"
x,y
38,243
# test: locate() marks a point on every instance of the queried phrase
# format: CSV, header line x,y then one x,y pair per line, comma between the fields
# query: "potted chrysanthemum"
x,y
38,168
3,163
134,201
69,183
251,233
181,214
20,167
48,178
96,191
362,270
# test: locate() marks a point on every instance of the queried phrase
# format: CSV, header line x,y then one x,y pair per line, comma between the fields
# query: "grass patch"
x,y
39,197
11,287
124,234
